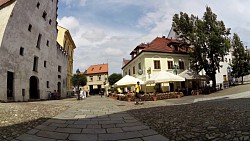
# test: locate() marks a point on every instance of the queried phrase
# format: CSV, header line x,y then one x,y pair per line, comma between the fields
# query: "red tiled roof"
x,y
164,45
2,2
95,69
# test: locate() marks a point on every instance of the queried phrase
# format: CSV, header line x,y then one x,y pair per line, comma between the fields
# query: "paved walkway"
x,y
93,119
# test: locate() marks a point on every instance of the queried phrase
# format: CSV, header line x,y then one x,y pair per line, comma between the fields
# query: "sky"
x,y
106,31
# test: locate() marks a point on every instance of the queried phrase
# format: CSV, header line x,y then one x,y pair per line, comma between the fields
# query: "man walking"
x,y
137,93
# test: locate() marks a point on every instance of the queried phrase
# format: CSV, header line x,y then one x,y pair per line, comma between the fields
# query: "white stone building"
x,y
31,61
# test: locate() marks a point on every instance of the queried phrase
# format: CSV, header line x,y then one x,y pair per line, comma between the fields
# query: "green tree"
x,y
113,78
208,37
80,80
240,62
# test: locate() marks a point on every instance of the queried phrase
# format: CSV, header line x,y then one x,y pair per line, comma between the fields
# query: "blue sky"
x,y
106,31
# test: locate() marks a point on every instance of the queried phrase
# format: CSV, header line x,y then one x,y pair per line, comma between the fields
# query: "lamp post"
x,y
149,72
78,77
175,69
229,75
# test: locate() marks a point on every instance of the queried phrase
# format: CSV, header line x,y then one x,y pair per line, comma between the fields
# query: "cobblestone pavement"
x,y
99,118
18,118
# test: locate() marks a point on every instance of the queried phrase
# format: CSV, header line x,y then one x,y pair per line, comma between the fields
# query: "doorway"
x,y
59,87
10,84
34,91
171,85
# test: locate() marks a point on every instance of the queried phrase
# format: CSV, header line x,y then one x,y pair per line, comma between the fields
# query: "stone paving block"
x,y
155,138
135,128
130,120
83,137
68,130
129,124
87,131
136,139
56,120
58,125
119,136
108,125
114,130
77,126
70,122
53,135
47,128
94,126
27,137
86,122
111,121
148,132
32,131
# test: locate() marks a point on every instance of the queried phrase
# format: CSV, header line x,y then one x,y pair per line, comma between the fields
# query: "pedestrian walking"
x,y
137,94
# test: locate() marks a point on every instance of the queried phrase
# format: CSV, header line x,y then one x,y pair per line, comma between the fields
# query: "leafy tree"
x,y
240,62
113,78
80,80
209,39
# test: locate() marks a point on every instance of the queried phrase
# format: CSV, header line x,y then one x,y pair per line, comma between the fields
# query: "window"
x,y
99,77
59,76
126,73
38,5
59,68
35,64
39,41
91,78
47,43
100,68
21,51
157,64
30,27
129,72
44,15
139,66
181,65
92,69
50,21
47,84
133,69
45,64
170,64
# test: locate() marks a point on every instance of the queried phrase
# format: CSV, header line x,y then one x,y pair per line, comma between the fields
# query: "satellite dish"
x,y
140,72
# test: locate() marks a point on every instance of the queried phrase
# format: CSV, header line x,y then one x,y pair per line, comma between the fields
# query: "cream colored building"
x,y
161,54
65,40
97,77
31,61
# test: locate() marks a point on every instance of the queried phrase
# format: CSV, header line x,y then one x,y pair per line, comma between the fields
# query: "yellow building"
x,y
97,77
160,54
65,40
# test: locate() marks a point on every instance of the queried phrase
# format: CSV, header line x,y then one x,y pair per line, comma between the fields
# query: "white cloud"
x,y
99,42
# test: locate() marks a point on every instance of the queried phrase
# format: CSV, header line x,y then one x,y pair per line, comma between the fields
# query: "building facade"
x,y
31,61
161,54
97,78
65,40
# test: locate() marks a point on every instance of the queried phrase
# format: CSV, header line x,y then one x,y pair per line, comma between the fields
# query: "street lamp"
x,y
229,75
175,69
78,77
149,72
